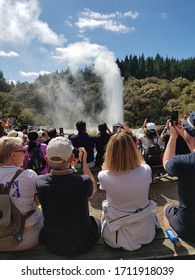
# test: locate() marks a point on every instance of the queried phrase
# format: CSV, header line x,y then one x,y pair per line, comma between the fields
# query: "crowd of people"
x,y
58,194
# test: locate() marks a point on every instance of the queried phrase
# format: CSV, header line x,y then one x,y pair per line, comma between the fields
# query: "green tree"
x,y
4,86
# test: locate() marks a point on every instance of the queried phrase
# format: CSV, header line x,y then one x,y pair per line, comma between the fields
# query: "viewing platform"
x,y
160,249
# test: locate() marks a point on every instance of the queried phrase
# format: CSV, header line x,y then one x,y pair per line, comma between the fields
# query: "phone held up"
x,y
76,152
61,131
174,117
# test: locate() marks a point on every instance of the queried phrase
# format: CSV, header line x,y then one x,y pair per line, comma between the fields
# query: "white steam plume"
x,y
66,108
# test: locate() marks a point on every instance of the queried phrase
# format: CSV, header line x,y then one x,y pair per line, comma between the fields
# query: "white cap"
x,y
59,147
14,133
151,126
40,132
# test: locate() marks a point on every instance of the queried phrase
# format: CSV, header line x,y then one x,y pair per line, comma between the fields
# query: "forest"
x,y
152,88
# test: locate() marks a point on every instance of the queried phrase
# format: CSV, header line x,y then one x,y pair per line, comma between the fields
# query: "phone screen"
x,y
174,117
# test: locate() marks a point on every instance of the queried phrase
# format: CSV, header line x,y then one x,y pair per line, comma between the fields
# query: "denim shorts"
x,y
186,232
171,215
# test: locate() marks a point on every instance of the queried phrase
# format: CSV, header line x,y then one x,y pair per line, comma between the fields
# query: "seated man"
x,y
68,228
83,139
181,217
51,133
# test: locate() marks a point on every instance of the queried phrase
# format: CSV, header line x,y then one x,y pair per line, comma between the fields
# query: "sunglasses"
x,y
17,151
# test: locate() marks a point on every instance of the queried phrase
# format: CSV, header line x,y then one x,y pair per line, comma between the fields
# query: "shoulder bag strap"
x,y
18,172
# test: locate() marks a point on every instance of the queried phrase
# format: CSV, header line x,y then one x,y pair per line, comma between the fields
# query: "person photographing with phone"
x,y
174,117
68,228
181,145
181,217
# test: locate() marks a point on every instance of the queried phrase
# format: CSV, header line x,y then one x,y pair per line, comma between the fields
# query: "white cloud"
x,y
68,23
91,20
12,81
33,74
19,23
91,14
8,54
132,15
110,25
78,53
164,15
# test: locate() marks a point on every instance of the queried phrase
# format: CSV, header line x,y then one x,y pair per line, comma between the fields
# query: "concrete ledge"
x,y
160,248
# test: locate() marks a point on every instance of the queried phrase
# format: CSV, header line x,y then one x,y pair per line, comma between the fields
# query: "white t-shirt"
x,y
22,191
146,141
127,191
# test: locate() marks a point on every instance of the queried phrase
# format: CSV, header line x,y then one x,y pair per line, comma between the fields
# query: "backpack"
x,y
153,154
36,160
12,221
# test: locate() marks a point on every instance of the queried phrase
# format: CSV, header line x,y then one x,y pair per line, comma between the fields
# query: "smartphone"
x,y
76,152
116,127
174,117
61,130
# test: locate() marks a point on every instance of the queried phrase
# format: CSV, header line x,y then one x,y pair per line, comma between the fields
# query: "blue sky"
x,y
40,36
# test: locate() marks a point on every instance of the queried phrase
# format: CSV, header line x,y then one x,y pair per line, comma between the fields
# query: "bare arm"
x,y
171,146
86,169
165,129
37,200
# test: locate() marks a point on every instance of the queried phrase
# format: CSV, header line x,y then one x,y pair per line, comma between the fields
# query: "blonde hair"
x,y
8,145
121,153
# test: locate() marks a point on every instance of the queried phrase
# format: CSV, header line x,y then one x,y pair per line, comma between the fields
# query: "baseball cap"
x,y
151,126
189,124
40,133
14,133
59,147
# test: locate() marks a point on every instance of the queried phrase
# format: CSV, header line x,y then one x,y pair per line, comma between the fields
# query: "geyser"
x,y
65,107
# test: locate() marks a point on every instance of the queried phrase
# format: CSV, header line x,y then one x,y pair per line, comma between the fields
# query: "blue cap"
x,y
189,124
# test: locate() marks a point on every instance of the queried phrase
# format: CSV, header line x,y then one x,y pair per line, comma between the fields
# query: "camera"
x,y
174,117
76,152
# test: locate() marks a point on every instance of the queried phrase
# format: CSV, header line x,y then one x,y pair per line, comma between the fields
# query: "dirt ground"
x,y
163,191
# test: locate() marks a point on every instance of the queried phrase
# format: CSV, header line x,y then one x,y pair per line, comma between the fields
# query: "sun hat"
x,y
14,133
189,124
151,126
59,147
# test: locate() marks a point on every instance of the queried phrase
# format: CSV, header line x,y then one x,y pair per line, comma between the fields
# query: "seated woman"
x,y
128,219
148,134
150,144
23,196
35,153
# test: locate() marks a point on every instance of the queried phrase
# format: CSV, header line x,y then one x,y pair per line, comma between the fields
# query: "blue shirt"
x,y
183,166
